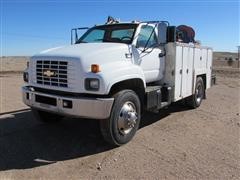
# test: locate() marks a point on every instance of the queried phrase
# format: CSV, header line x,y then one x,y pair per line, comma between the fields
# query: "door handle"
x,y
187,71
180,71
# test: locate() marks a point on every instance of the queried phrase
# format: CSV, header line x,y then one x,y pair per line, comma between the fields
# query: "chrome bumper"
x,y
95,108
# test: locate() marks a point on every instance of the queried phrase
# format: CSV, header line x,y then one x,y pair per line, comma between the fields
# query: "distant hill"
x,y
225,56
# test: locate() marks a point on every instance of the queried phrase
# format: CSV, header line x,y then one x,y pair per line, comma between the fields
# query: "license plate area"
x,y
46,100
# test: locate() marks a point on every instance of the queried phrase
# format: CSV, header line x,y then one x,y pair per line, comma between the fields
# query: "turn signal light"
x,y
95,68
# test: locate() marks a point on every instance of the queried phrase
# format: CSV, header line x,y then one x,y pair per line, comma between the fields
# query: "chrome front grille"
x,y
52,73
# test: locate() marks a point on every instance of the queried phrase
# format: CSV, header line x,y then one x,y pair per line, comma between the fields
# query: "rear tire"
x,y
46,117
124,120
195,100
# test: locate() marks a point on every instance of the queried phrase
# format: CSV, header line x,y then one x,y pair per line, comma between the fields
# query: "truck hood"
x,y
88,53
80,57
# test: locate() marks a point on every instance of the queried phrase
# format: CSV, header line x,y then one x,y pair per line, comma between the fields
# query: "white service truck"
x,y
114,72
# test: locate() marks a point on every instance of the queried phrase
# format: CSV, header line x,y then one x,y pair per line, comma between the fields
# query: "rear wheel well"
x,y
135,85
203,76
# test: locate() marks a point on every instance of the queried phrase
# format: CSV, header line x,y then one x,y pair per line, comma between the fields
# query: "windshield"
x,y
118,33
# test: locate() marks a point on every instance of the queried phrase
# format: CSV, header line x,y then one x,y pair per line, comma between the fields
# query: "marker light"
x,y
95,68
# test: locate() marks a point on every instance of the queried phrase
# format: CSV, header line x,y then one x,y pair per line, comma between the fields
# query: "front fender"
x,y
113,73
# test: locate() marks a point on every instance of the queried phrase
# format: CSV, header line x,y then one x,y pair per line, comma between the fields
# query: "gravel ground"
x,y
177,143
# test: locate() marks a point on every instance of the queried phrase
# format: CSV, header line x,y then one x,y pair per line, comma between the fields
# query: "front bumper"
x,y
95,108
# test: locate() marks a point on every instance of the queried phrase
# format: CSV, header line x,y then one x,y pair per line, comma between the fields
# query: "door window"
x,y
145,33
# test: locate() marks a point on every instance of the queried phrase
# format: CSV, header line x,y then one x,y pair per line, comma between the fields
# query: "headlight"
x,y
92,84
25,76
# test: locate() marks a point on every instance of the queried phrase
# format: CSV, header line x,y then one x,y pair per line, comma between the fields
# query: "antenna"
x,y
111,20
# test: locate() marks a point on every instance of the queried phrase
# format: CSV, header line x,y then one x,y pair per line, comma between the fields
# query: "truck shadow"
x,y
26,143
149,118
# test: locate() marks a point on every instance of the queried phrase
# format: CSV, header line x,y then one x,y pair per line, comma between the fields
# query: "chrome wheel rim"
x,y
127,118
199,93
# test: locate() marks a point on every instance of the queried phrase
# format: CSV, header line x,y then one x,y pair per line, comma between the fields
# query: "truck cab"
x,y
113,73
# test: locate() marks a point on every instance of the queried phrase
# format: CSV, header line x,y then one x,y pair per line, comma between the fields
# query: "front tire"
x,y
46,117
124,120
195,100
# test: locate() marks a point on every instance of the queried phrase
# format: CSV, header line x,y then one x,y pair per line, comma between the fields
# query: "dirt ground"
x,y
177,143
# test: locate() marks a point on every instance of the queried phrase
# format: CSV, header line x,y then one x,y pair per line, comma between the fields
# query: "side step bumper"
x,y
157,97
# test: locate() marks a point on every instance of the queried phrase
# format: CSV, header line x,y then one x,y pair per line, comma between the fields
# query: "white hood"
x,y
89,53
79,58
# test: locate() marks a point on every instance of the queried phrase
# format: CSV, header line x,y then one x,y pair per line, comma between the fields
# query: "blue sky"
x,y
28,27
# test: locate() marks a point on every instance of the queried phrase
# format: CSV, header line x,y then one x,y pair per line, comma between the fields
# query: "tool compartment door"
x,y
187,71
178,74
209,68
187,76
184,72
184,62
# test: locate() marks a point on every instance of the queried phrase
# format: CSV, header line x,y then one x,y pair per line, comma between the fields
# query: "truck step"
x,y
157,97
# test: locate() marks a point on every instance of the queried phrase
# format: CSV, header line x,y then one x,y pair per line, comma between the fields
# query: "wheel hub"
x,y
199,94
127,118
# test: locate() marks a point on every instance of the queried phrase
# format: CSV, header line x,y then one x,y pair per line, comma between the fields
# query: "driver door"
x,y
149,54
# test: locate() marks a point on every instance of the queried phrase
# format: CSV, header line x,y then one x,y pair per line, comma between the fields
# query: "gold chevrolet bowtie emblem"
x,y
49,73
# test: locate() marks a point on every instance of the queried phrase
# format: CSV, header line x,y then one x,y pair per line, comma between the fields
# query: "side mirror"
x,y
162,54
162,33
